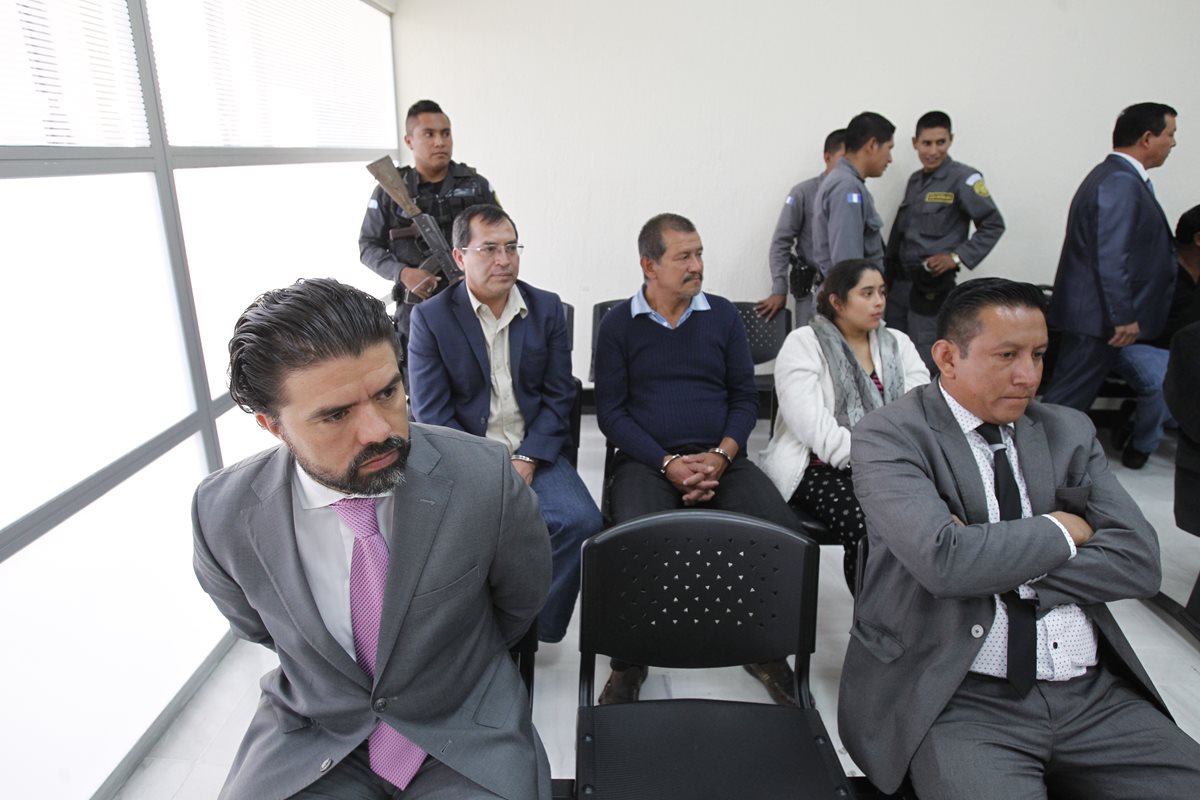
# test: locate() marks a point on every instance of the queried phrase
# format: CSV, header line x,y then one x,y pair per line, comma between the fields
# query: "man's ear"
x,y
648,266
945,355
458,258
267,424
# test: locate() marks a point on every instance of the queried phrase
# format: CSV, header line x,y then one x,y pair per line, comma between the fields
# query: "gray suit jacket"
x,y
927,595
469,571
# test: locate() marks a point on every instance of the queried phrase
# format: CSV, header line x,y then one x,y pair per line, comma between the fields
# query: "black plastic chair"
x,y
698,589
575,421
766,337
598,312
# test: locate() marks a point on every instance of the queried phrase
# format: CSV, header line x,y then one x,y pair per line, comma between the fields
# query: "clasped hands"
x,y
696,476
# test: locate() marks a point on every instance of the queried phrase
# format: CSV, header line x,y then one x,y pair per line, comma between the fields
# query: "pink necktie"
x,y
393,757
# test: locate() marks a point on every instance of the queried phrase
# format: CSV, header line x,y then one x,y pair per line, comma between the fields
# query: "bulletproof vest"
x,y
444,201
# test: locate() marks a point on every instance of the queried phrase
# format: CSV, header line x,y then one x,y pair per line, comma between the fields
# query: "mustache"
x,y
372,451
691,276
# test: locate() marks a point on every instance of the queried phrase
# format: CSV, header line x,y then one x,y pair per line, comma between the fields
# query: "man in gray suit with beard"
x,y
983,660
390,566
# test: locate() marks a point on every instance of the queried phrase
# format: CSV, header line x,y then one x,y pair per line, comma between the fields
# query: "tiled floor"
x,y
191,760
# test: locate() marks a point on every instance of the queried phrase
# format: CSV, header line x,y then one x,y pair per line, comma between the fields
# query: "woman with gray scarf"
x,y
829,374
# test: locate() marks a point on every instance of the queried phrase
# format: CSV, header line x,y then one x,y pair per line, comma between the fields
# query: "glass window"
x,y
252,229
240,436
103,621
70,75
94,360
274,73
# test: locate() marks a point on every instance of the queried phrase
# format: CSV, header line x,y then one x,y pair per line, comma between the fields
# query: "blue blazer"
x,y
451,376
1118,260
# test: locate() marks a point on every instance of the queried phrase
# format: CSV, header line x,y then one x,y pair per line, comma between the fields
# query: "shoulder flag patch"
x,y
372,203
973,178
791,201
853,198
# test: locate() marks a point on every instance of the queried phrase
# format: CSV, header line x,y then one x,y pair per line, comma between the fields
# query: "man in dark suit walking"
x,y
983,659
390,566
492,356
1117,268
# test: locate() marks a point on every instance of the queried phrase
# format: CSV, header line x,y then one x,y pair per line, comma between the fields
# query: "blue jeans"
x,y
1143,367
571,516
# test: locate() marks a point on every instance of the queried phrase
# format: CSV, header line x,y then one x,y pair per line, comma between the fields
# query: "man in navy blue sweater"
x,y
675,394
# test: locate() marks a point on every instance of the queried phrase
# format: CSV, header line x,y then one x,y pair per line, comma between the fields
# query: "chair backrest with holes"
x,y
698,588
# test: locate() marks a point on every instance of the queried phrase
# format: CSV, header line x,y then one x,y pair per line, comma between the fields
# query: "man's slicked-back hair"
x,y
650,240
304,324
840,281
486,213
835,141
933,119
867,126
1139,118
958,320
417,109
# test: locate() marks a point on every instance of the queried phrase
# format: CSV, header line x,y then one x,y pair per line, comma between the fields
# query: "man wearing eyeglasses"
x,y
492,357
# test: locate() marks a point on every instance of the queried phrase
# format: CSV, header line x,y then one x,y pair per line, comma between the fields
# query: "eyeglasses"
x,y
512,249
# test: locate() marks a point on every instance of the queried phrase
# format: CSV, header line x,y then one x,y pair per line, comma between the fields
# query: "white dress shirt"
x,y
505,423
326,544
1066,640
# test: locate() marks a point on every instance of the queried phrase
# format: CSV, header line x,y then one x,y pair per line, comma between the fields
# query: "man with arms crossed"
x,y
983,659
492,357
390,566
792,242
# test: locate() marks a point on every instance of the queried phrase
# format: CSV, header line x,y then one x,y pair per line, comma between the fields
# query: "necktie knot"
x,y
991,434
359,514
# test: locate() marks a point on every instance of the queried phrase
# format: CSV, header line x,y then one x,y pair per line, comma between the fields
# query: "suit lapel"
x,y
952,440
1033,452
271,527
420,502
516,343
469,323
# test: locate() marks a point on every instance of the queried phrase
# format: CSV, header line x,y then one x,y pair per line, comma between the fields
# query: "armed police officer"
x,y
929,242
389,242
791,252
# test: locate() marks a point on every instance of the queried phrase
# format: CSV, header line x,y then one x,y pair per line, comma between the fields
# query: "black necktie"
x,y
1022,628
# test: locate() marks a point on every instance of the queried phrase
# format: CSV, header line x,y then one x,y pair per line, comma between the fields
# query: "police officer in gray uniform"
x,y
389,243
791,253
929,242
847,225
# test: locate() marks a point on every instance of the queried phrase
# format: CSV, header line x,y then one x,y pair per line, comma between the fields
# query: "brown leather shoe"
x,y
778,679
623,686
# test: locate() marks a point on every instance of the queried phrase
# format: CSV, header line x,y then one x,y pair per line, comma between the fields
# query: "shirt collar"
x,y
846,165
313,494
966,420
515,301
638,304
1141,170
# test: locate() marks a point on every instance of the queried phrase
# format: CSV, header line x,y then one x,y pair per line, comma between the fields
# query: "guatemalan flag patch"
x,y
854,198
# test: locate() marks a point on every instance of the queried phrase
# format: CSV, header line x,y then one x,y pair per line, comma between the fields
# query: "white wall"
x,y
590,118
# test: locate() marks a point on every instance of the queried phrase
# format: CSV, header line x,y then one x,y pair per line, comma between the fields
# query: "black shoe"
x,y
778,678
1122,434
1133,458
623,686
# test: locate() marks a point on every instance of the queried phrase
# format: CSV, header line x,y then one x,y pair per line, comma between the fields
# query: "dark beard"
x,y
378,482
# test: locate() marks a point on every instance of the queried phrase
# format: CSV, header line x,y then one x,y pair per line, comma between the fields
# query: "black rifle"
x,y
440,261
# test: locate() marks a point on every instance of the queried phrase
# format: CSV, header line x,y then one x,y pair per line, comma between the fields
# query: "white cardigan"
x,y
805,423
